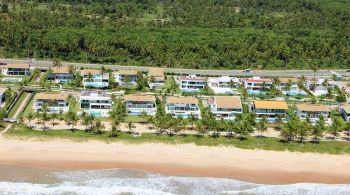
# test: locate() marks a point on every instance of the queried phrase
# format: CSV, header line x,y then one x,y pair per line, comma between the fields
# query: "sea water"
x,y
125,182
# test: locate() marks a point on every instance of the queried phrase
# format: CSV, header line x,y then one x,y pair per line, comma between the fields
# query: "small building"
x,y
317,87
156,77
126,77
93,78
226,107
256,85
270,109
16,69
97,103
292,84
54,102
136,104
182,107
191,83
312,111
344,111
60,75
224,85
2,95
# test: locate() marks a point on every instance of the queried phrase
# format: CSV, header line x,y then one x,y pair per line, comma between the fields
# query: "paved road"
x,y
264,73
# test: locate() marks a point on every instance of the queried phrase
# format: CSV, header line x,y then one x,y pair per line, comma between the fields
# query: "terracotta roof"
x,y
271,105
92,71
128,72
286,80
313,108
60,70
50,96
258,80
181,100
346,108
228,102
192,78
17,66
139,98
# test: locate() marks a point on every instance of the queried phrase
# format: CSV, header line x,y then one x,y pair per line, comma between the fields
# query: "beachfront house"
x,y
270,109
54,102
226,107
97,103
156,76
136,104
289,86
126,77
16,69
256,85
224,85
344,111
60,75
317,87
312,111
191,83
182,107
93,78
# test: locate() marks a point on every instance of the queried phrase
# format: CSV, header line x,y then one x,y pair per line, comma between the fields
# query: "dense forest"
x,y
221,34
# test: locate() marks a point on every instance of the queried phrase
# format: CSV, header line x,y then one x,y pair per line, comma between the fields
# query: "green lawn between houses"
x,y
329,147
18,104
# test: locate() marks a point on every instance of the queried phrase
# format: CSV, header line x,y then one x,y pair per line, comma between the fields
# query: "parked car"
x,y
247,70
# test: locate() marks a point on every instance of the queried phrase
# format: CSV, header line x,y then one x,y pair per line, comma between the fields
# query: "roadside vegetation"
x,y
228,34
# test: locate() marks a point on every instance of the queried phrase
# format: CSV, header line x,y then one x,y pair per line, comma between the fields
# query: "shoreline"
x,y
257,166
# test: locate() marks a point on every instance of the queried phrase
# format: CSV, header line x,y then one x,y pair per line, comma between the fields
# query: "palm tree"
x,y
90,77
314,68
245,94
279,122
199,127
61,115
329,94
304,130
45,117
336,126
348,129
192,119
98,127
57,63
85,119
262,126
318,129
30,117
114,130
54,116
130,125
38,117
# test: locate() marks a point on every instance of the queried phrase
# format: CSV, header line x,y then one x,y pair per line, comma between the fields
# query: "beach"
x,y
258,166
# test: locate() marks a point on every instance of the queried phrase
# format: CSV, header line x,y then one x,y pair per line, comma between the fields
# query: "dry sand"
x,y
185,159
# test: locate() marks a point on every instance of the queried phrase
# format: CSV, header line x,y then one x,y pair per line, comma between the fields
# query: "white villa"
x,y
345,112
136,104
182,106
157,75
226,107
97,80
97,103
126,77
293,84
55,102
317,87
256,85
60,74
270,109
222,85
191,83
16,70
312,111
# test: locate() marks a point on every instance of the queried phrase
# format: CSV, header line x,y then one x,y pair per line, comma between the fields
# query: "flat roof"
x,y
128,72
181,100
140,98
50,96
271,105
17,66
313,107
228,102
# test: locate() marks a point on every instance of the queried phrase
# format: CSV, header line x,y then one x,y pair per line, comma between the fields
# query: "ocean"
x,y
26,180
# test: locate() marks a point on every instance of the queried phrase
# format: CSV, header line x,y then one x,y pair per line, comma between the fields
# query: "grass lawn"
x,y
330,147
29,107
18,104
